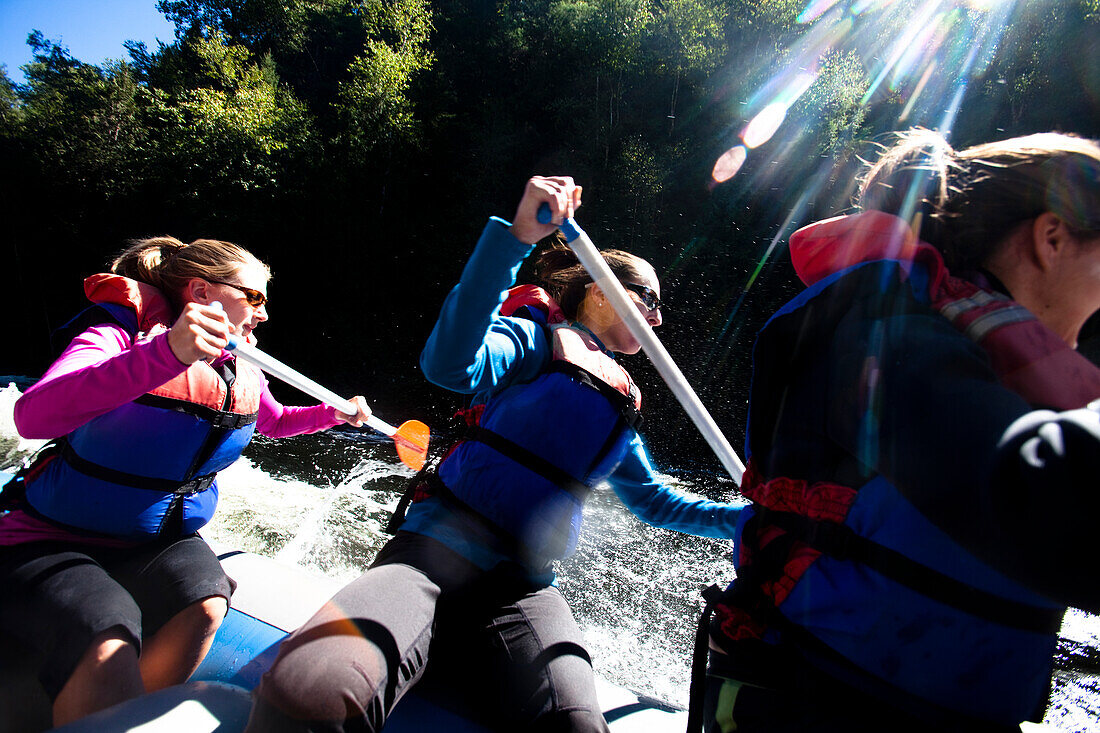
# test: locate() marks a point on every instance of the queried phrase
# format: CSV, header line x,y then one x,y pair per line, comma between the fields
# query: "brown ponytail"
x,y
168,264
564,277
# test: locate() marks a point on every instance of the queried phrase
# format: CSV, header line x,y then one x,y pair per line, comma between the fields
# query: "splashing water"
x,y
321,501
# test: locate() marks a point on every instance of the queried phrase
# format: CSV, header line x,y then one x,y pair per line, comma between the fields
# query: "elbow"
x,y
26,425
448,375
434,371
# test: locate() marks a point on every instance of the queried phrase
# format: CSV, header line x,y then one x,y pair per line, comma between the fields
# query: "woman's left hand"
x,y
360,416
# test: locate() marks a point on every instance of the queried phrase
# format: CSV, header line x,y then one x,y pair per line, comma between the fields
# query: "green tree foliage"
x,y
81,123
373,107
361,144
230,128
1047,73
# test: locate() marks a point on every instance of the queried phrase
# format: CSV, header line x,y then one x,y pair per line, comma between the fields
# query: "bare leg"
x,y
175,651
107,674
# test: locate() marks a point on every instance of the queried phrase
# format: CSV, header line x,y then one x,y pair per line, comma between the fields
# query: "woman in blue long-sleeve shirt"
x,y
467,581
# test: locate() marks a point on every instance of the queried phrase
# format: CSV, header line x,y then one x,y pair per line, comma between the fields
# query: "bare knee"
x,y
106,673
203,617
176,649
110,647
210,611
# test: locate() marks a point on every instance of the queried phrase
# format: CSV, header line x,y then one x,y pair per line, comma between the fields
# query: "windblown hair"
x,y
564,277
168,264
969,202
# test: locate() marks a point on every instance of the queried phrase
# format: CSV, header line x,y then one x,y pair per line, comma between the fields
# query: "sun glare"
x,y
926,60
920,55
985,4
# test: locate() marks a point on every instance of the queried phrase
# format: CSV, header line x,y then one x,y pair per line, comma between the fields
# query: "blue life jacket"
x,y
857,578
536,449
146,469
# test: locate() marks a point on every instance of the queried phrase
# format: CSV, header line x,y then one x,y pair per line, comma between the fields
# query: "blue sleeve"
x,y
473,348
656,504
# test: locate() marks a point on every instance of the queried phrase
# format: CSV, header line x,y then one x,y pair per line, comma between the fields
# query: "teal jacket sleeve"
x,y
654,503
472,348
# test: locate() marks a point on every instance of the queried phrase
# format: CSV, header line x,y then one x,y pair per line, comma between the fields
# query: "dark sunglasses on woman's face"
x,y
646,295
253,297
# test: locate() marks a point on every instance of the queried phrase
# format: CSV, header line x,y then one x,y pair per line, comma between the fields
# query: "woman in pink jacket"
x,y
104,574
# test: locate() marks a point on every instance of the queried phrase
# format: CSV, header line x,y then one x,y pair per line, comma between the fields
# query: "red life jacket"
x,y
1028,357
571,344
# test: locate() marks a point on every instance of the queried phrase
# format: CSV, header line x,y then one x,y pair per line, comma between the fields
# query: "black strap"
x,y
217,418
842,542
796,653
699,656
624,404
162,485
530,460
415,483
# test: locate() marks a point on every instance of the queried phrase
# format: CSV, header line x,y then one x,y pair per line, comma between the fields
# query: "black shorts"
x,y
58,596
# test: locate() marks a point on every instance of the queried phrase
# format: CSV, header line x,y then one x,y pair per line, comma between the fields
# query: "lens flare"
x,y
851,65
729,164
815,10
921,55
764,125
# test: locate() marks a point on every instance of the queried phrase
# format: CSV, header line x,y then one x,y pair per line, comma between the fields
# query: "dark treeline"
x,y
358,146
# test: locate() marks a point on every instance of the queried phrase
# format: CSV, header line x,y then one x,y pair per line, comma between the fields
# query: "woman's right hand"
x,y
201,332
560,193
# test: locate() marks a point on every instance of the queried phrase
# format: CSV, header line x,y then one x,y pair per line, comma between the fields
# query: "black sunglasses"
x,y
646,295
254,297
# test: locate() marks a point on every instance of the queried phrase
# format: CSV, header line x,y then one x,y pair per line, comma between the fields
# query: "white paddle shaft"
x,y
641,330
296,379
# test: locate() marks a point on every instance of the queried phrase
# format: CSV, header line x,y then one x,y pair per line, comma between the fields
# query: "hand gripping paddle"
x,y
410,439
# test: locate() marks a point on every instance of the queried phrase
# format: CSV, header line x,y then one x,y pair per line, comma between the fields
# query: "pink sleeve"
x,y
278,421
101,369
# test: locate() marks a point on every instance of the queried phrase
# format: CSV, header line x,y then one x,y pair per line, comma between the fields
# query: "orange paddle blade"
x,y
411,440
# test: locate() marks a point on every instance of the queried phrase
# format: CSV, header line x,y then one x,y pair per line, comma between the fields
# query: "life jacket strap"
x,y
164,486
700,654
417,486
530,460
430,482
621,402
843,543
217,418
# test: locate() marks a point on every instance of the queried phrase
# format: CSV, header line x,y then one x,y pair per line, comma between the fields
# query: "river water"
x,y
321,502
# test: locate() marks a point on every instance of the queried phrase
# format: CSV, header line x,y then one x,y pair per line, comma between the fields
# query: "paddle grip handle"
x,y
568,227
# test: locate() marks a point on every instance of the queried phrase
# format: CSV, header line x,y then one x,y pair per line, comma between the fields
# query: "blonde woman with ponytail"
x,y
924,445
104,574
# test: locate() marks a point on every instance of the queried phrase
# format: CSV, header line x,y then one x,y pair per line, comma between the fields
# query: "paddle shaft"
x,y
616,294
294,378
